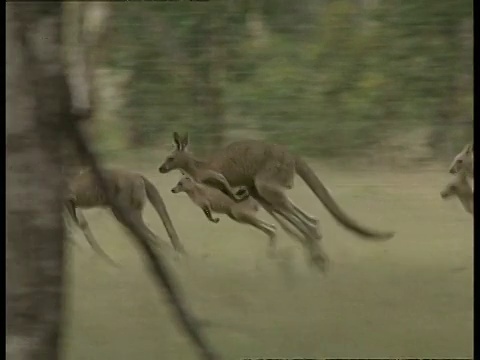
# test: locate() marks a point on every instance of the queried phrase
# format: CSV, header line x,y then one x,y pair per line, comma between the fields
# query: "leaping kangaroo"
x,y
266,171
130,189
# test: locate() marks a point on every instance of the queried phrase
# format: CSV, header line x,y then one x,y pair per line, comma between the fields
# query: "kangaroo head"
x,y
458,186
185,184
463,161
448,191
179,158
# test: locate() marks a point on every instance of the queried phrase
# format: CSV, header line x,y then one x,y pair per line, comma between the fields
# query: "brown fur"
x,y
461,188
463,161
267,170
284,225
130,189
212,200
215,178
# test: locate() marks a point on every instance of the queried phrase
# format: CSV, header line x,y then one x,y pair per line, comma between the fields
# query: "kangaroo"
x,y
267,171
130,189
463,161
212,200
461,188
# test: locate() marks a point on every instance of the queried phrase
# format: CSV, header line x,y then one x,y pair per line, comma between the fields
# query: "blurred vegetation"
x,y
325,77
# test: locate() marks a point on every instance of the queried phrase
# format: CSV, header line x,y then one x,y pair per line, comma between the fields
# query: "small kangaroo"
x,y
461,188
212,200
267,171
130,189
463,161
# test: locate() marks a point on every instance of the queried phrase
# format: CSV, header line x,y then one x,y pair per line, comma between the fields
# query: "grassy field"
x,y
409,297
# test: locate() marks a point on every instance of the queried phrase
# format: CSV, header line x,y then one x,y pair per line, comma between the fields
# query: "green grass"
x,y
409,297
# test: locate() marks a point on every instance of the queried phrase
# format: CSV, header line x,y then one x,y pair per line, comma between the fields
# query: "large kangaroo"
x,y
130,189
463,161
267,171
212,200
461,188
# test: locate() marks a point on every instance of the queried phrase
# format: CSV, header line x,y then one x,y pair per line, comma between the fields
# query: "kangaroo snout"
x,y
444,194
162,169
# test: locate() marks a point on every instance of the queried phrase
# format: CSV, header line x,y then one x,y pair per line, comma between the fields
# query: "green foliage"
x,y
319,76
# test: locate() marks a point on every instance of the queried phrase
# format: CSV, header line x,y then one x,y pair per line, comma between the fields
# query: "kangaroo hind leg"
x,y
274,196
284,225
245,217
82,223
306,216
135,216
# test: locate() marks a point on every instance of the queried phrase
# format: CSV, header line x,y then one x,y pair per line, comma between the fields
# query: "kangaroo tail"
x,y
314,183
157,202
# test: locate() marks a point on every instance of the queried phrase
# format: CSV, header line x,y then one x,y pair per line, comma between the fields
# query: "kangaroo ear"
x,y
468,148
176,140
185,140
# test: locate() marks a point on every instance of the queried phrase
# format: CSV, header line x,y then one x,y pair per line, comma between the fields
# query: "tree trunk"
x,y
209,66
215,107
37,103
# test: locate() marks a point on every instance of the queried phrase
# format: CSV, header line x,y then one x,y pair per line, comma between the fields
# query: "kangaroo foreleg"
x,y
70,205
208,214
218,180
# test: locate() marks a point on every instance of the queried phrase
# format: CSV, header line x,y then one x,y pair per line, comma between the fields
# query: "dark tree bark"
x,y
37,102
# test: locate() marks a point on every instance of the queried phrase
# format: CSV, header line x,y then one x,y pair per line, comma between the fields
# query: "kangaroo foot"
x,y
321,263
320,260
272,250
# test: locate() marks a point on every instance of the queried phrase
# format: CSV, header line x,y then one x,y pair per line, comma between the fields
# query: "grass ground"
x,y
409,297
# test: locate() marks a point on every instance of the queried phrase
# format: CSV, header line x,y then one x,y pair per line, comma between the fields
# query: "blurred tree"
x,y
321,76
178,60
37,103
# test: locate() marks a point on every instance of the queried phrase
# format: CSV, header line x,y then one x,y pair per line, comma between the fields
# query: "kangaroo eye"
x,y
459,161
